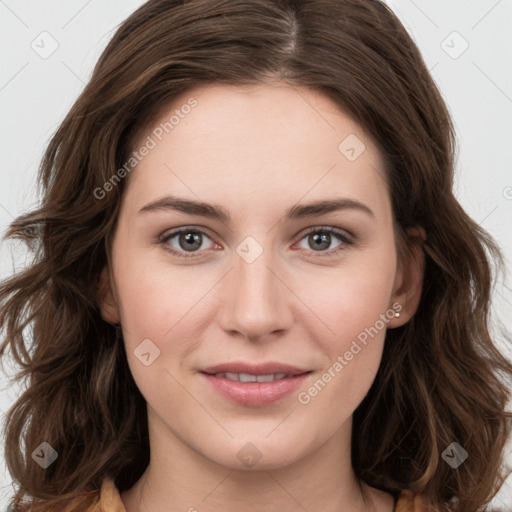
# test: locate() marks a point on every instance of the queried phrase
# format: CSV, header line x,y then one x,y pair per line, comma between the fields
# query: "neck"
x,y
179,478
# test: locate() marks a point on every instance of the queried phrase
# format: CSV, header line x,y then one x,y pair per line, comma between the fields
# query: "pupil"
x,y
190,239
323,238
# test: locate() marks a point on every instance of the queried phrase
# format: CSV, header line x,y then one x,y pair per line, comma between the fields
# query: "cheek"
x,y
162,304
357,312
153,294
352,300
159,328
144,301
355,304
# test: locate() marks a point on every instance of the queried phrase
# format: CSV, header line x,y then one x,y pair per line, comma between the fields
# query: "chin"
x,y
258,454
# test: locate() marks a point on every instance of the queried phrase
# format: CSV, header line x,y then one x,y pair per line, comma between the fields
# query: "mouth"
x,y
255,385
247,377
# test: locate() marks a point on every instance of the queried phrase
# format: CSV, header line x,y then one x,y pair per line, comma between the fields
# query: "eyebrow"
x,y
217,212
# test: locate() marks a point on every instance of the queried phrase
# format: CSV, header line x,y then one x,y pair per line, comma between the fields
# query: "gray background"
x,y
466,45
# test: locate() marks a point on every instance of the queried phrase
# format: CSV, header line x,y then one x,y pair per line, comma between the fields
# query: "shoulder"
x,y
411,502
106,499
407,501
110,499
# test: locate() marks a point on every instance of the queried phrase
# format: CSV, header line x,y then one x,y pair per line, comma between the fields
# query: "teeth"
x,y
246,377
265,378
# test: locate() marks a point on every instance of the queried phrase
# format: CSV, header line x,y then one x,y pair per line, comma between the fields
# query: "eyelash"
x,y
340,234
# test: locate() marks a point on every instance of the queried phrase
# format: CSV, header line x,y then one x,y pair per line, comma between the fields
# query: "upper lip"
x,y
269,368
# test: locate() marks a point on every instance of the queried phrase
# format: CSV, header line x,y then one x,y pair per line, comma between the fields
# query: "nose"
x,y
256,300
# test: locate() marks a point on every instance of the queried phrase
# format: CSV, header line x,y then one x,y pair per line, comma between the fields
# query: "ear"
x,y
409,278
106,299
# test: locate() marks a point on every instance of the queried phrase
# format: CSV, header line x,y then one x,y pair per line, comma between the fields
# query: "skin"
x,y
256,151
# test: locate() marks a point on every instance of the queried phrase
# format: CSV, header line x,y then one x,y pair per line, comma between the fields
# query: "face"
x,y
268,286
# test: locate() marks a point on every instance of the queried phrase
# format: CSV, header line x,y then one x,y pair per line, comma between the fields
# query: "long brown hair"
x,y
441,380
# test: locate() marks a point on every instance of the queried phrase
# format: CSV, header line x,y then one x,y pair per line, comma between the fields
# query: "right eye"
x,y
188,238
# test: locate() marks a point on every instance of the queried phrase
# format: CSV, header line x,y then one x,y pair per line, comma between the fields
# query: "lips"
x,y
254,385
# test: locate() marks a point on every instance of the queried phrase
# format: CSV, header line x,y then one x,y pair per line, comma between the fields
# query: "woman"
x,y
252,284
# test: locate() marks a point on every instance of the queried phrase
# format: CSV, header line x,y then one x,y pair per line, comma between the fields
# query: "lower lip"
x,y
255,394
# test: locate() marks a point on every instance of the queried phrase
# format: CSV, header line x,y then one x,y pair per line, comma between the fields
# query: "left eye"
x,y
191,240
321,238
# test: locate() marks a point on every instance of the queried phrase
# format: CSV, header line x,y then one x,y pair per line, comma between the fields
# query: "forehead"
x,y
268,143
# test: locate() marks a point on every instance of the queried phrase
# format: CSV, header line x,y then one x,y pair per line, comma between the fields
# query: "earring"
x,y
397,314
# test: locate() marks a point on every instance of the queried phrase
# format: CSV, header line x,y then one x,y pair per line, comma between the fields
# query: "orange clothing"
x,y
110,500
